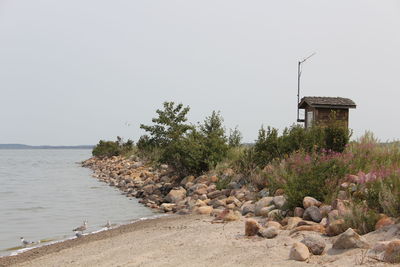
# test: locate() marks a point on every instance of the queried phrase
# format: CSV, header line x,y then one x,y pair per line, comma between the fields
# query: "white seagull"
x,y
81,228
26,242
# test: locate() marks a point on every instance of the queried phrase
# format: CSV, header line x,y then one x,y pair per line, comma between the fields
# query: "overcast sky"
x,y
76,71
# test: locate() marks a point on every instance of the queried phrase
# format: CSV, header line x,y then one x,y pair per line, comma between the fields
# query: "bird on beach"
x,y
81,228
108,225
77,234
26,242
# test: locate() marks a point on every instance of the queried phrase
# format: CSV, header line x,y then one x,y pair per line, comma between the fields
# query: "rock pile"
x,y
160,189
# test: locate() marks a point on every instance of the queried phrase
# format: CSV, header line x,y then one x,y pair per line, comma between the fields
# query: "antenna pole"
x,y
298,84
298,90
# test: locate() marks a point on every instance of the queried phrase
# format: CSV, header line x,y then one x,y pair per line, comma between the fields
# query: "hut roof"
x,y
326,102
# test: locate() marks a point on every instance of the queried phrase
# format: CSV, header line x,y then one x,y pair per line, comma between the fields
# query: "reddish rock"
x,y
252,227
392,252
298,212
385,221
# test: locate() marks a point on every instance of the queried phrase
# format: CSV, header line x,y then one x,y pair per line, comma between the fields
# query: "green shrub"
x,y
112,148
336,137
315,175
267,146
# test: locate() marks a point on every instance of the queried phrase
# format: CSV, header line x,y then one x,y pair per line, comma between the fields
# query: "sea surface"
x,y
44,194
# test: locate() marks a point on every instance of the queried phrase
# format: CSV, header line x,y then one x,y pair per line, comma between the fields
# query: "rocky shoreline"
x,y
264,215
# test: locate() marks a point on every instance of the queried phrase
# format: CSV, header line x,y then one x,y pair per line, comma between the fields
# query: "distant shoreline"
x,y
21,146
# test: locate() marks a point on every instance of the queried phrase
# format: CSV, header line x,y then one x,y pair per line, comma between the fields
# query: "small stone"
x,y
315,244
299,252
350,239
279,201
200,203
167,207
325,209
275,214
248,207
265,211
262,203
252,227
269,232
176,195
310,201
204,210
312,213
298,212
335,227
273,224
215,194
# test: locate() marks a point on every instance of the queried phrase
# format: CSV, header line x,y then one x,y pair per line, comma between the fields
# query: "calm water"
x,y
44,194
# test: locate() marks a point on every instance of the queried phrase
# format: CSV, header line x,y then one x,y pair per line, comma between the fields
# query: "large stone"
x,y
385,221
269,232
265,211
252,227
204,210
176,195
292,222
325,209
217,203
310,201
350,239
279,201
248,207
315,243
335,227
233,200
232,216
215,194
311,228
167,207
313,214
262,203
299,252
392,252
273,224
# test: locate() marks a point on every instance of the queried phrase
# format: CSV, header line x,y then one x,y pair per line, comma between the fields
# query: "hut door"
x,y
310,119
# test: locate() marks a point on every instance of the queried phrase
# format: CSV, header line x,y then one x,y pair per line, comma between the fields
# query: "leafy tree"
x,y
214,139
235,137
267,147
169,125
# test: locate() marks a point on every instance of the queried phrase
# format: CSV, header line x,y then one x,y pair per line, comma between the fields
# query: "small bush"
x,y
361,218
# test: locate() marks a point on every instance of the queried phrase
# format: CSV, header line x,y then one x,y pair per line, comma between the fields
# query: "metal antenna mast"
x,y
299,70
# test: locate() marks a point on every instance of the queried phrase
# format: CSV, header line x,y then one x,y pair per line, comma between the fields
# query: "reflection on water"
x,y
44,194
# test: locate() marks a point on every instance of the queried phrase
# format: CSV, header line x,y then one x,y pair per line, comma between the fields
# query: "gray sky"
x,y
75,71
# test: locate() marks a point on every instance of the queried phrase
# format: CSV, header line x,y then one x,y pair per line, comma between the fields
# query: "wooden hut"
x,y
322,110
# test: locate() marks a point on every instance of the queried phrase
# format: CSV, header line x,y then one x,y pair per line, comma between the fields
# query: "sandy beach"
x,y
190,240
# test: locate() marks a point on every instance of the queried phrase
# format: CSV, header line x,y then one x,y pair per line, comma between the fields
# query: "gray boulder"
x,y
315,244
350,239
312,214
